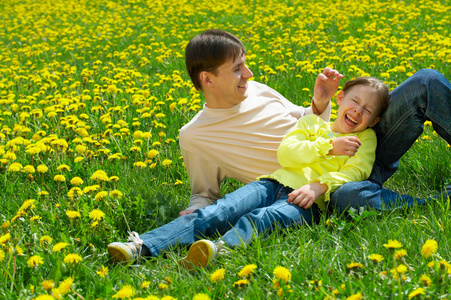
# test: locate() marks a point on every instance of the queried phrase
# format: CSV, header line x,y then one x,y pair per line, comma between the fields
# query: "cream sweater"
x,y
240,142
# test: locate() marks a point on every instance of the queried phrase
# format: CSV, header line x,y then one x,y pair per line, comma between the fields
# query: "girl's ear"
x,y
205,78
340,97
374,122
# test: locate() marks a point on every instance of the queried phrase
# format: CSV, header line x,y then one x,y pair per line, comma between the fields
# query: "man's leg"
x,y
211,220
424,96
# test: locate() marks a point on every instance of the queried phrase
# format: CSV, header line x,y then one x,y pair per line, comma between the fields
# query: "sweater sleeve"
x,y
356,168
296,110
305,143
205,179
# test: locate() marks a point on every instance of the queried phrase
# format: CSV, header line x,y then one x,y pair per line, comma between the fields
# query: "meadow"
x,y
93,94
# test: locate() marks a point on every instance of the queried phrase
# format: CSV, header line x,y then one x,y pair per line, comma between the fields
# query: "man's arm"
x,y
326,85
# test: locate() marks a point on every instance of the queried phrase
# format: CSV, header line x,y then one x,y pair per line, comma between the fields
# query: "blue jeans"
x,y
256,208
424,96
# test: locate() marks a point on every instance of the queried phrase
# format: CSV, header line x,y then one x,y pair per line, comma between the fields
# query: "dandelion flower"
x,y
426,280
65,285
72,214
48,284
126,292
102,271
166,162
59,178
152,153
28,169
240,282
59,246
15,167
42,168
163,286
247,270
217,275
201,296
393,244
113,179
99,175
400,253
45,297
145,284
96,215
116,194
354,265
72,258
429,248
100,195
63,168
78,159
5,238
416,292
282,273
376,258
76,181
357,296
2,255
35,261
45,240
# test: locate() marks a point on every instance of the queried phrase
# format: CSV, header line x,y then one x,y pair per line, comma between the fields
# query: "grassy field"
x,y
93,94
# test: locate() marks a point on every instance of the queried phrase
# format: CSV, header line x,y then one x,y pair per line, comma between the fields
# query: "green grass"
x,y
88,72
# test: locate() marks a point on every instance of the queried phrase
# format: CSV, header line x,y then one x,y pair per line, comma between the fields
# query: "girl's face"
x,y
358,109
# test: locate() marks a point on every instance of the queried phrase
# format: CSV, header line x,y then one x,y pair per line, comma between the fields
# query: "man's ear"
x,y
374,122
340,97
205,78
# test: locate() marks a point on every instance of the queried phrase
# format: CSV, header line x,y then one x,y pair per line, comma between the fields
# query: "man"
x,y
235,135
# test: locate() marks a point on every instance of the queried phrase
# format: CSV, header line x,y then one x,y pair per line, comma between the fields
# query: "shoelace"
x,y
137,242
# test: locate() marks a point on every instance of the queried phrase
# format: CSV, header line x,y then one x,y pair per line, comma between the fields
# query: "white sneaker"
x,y
126,252
201,253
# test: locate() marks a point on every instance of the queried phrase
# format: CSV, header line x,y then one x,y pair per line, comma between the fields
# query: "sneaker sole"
x,y
199,255
118,254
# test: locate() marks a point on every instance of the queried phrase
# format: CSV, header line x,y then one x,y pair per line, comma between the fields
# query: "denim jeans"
x,y
254,209
424,96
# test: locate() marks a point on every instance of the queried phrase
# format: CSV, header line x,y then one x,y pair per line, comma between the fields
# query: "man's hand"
x,y
326,85
185,212
306,195
345,145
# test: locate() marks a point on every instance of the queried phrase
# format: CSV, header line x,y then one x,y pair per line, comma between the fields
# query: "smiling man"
x,y
237,133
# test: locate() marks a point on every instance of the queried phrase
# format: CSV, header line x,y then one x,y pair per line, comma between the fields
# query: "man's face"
x,y
229,83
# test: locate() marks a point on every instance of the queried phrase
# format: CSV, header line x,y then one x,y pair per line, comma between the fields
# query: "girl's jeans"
x,y
424,96
256,208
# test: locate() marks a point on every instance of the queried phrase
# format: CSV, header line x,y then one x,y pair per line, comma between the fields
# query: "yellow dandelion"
x,y
59,178
28,169
100,195
91,188
65,285
48,284
99,175
15,167
247,270
400,253
152,153
354,265
126,292
140,164
116,194
163,286
72,258
44,297
357,296
426,280
35,261
113,179
63,167
45,240
376,258
2,255
217,275
166,162
97,215
282,273
76,181
42,168
145,284
429,248
240,282
416,292
5,238
78,159
201,296
59,246
393,244
102,271
72,214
